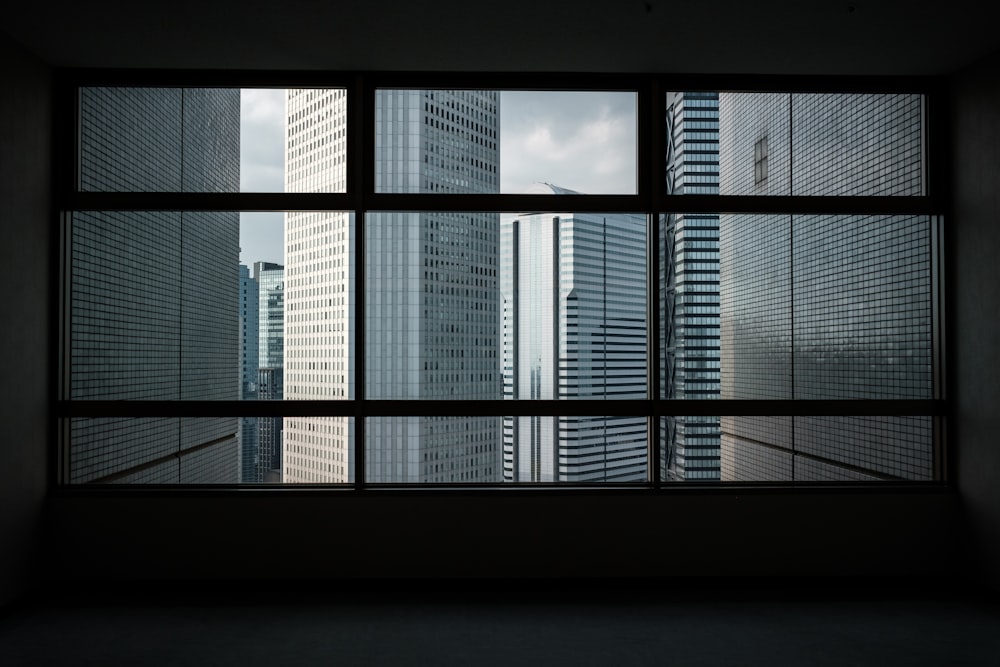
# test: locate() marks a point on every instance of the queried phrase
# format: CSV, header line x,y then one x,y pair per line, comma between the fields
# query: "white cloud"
x,y
262,142
583,141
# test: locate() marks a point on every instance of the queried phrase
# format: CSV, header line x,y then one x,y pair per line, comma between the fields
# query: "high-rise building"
x,y
825,307
248,353
270,280
154,295
574,326
432,316
689,289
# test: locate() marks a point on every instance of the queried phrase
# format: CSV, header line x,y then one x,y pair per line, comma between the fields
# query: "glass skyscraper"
x,y
825,307
154,295
249,353
432,304
574,326
689,289
270,280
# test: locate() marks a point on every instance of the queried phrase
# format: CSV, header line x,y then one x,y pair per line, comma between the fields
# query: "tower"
x,y
432,316
689,289
574,326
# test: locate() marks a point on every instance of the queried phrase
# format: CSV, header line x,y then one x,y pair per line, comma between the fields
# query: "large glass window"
x,y
400,280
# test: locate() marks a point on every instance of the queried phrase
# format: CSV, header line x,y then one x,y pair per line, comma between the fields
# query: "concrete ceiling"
x,y
696,36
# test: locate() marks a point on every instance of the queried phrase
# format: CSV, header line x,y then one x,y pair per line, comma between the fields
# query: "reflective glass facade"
x,y
574,326
153,295
249,319
825,307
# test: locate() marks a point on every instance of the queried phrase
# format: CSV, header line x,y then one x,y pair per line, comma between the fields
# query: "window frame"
x,y
651,199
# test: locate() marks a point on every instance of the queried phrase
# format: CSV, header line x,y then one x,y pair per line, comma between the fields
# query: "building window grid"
x,y
362,191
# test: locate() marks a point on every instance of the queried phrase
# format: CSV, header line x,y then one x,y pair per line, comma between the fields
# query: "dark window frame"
x,y
651,199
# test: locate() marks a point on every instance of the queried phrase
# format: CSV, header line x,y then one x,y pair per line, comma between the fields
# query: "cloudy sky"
x,y
581,141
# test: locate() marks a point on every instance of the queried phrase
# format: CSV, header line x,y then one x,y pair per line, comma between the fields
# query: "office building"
x,y
248,354
270,278
825,307
154,295
432,315
689,289
574,326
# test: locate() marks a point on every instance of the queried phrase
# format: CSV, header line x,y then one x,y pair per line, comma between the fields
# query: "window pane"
x,y
154,305
847,315
212,450
433,306
212,140
825,449
155,451
466,450
201,305
795,144
575,449
460,141
318,450
565,318
819,307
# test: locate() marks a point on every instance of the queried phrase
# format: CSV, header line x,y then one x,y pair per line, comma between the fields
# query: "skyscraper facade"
x,y
574,326
270,278
432,315
689,289
154,295
249,366
825,307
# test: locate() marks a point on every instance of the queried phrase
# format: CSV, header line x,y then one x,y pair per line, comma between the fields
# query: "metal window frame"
x,y
651,199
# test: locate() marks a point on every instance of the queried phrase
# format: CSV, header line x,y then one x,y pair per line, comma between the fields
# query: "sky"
x,y
584,141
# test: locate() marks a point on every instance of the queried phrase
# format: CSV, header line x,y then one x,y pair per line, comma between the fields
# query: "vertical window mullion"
x,y
651,179
360,183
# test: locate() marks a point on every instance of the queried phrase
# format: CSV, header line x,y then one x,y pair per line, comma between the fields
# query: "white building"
x,y
432,307
574,326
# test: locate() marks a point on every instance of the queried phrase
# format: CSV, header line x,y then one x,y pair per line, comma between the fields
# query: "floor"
x,y
520,624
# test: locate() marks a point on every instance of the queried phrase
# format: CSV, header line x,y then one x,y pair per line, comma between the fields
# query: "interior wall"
x,y
25,258
974,303
116,535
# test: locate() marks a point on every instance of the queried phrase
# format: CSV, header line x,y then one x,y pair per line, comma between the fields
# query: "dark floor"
x,y
518,624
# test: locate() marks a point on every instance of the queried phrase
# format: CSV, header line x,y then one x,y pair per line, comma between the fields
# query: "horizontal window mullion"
x,y
506,203
791,83
213,201
499,408
207,201
799,205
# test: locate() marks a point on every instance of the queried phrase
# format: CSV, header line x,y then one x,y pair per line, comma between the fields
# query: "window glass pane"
x,y
565,317
795,144
468,450
203,305
154,305
212,140
461,141
820,307
318,450
822,449
212,450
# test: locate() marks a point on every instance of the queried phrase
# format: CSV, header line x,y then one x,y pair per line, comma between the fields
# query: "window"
x,y
460,281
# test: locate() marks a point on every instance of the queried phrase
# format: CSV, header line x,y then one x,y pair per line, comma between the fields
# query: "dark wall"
x,y
25,261
974,303
500,534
